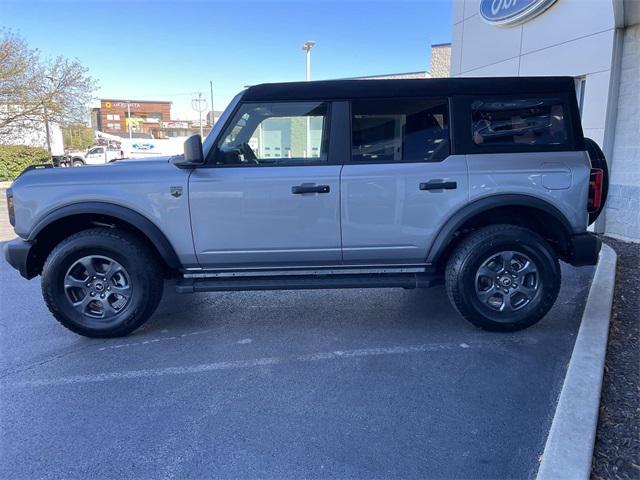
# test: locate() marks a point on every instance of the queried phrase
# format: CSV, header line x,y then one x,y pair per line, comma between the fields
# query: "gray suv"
x,y
481,183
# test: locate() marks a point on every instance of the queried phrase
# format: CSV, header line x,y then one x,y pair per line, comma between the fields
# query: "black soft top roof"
x,y
347,89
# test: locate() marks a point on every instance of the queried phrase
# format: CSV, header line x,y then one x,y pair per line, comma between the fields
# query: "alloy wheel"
x,y
98,287
507,281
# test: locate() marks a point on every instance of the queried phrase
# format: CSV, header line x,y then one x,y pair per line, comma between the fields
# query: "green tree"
x,y
77,137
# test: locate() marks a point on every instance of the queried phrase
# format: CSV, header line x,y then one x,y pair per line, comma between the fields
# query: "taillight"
x,y
596,180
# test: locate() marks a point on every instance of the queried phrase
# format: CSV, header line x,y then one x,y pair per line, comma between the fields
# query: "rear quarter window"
x,y
521,123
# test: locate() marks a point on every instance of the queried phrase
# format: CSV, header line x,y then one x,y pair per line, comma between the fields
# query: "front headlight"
x,y
11,208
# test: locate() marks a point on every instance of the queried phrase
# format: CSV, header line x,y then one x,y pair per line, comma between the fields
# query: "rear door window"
x,y
400,130
518,122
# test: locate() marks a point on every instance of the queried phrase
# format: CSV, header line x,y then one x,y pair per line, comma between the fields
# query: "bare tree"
x,y
35,92
19,80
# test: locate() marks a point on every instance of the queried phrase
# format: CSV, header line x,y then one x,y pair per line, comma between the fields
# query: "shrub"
x,y
15,158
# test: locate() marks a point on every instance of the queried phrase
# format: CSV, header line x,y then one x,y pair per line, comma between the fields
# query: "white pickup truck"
x,y
93,156
130,148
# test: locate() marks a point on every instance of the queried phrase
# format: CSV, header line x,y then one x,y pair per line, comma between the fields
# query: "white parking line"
x,y
261,362
154,340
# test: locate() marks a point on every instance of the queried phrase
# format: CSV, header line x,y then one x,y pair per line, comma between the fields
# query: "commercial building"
x,y
440,60
598,43
149,119
146,117
440,66
32,133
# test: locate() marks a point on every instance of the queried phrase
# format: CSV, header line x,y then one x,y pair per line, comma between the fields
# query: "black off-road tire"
x,y
471,254
142,268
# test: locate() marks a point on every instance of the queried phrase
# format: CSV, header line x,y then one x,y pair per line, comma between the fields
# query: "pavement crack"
x,y
34,365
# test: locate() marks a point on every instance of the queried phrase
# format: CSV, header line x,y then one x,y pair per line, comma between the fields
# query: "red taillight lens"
x,y
595,189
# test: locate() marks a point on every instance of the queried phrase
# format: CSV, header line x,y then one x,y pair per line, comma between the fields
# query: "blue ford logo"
x,y
142,146
506,13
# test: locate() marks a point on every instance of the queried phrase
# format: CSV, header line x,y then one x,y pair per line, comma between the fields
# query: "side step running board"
x,y
297,282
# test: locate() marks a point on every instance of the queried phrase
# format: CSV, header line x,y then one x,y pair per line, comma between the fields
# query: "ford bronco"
x,y
482,184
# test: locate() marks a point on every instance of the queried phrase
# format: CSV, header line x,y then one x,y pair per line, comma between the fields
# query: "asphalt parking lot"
x,y
332,384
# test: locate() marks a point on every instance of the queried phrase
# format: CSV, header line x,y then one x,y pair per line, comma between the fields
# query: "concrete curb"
x,y
569,448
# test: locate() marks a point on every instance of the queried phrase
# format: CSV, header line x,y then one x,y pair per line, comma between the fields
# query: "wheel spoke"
x,y
485,295
529,267
87,263
71,282
125,291
107,309
507,306
528,292
81,305
112,268
506,258
485,271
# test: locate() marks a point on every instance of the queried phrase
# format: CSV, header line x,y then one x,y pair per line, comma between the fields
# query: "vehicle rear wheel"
x,y
102,282
503,278
77,163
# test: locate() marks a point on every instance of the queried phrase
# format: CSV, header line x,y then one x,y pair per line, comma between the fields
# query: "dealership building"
x,y
595,41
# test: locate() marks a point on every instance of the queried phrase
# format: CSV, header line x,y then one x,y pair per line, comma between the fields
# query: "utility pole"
x,y
199,104
308,45
213,112
129,117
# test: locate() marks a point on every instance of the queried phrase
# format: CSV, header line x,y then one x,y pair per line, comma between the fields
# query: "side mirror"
x,y
193,155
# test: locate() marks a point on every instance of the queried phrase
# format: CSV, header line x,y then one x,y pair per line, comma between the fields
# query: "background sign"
x,y
507,13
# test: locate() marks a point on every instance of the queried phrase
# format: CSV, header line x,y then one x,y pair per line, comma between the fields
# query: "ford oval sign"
x,y
506,13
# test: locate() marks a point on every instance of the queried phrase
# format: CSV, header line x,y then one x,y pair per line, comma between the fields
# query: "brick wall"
x,y
623,204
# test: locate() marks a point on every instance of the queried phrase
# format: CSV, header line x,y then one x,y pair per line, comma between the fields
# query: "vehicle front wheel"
x,y
503,278
102,282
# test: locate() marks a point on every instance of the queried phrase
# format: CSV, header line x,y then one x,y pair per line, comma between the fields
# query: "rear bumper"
x,y
16,252
584,249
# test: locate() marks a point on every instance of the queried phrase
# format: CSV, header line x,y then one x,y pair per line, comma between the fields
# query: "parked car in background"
x,y
481,183
96,155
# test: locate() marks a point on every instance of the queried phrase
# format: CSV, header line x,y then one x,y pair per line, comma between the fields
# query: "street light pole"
x,y
199,104
213,113
308,45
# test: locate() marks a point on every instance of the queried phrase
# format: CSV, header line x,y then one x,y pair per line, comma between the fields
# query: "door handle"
x,y
438,185
309,188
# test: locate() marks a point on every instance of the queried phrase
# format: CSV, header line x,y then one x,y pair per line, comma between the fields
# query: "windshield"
x,y
215,131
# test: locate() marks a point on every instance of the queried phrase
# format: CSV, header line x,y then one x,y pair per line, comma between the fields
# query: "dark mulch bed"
x,y
617,448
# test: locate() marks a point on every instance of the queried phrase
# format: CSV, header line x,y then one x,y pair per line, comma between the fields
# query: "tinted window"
x,y
532,121
406,130
273,133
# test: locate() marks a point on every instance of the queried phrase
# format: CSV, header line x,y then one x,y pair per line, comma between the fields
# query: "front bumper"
x,y
584,249
16,252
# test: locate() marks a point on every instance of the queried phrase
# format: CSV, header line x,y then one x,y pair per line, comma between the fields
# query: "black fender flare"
x,y
466,213
125,214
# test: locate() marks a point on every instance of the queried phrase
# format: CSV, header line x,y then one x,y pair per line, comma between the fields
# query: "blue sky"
x,y
167,50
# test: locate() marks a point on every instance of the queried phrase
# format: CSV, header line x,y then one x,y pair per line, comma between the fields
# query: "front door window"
x,y
274,134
